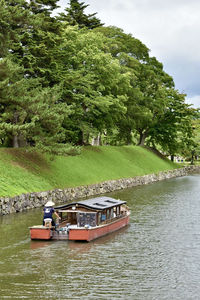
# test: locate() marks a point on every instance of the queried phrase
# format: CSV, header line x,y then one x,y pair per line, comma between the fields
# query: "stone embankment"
x,y
32,200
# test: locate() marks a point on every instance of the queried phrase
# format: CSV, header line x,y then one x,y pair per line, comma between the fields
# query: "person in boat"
x,y
49,212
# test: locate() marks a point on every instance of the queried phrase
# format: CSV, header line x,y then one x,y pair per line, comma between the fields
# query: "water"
x,y
156,257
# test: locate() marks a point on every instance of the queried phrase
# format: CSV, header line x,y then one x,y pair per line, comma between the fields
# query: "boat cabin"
x,y
92,212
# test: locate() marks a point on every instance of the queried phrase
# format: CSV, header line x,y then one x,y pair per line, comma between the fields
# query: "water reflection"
x,y
38,244
156,257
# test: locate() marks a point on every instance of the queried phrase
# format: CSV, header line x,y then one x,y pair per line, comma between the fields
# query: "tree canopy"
x,y
68,79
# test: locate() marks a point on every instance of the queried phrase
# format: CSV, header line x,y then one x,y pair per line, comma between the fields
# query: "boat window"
x,y
108,214
118,210
99,217
111,213
86,219
103,217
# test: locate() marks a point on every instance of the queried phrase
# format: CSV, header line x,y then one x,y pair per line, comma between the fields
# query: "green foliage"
x,y
75,15
68,80
155,112
43,6
120,43
94,85
174,130
192,152
28,112
13,23
196,128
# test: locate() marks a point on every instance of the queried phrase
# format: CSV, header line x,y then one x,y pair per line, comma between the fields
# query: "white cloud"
x,y
195,101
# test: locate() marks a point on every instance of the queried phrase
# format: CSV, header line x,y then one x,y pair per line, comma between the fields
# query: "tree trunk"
x,y
15,141
80,138
96,141
143,136
129,137
192,158
19,141
87,138
172,157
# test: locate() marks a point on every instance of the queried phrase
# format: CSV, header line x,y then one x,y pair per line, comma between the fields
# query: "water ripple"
x,y
156,257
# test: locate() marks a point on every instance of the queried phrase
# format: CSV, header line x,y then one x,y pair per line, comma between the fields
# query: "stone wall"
x,y
31,200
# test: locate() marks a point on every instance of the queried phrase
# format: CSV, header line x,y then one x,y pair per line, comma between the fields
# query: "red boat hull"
x,y
84,234
78,233
40,233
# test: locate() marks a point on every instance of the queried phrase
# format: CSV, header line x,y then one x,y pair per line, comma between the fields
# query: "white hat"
x,y
50,203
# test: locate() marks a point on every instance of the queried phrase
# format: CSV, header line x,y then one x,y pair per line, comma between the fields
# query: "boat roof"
x,y
98,203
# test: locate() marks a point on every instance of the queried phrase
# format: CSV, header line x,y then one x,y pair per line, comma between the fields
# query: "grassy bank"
x,y
22,172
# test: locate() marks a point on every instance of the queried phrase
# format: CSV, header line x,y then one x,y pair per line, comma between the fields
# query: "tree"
x,y
13,23
130,53
93,84
196,129
45,7
146,96
28,112
30,36
75,15
153,84
62,83
173,131
31,110
192,152
155,112
123,46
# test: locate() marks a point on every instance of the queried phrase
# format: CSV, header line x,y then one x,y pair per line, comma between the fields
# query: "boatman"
x,y
48,212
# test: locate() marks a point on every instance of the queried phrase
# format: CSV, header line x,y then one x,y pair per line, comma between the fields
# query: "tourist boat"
x,y
85,220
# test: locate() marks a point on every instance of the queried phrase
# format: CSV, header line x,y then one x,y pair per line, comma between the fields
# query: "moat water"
x,y
156,257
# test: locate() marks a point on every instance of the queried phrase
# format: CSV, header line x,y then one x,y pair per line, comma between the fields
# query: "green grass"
x,y
23,172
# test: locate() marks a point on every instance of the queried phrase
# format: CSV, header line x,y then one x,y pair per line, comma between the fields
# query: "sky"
x,y
169,28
